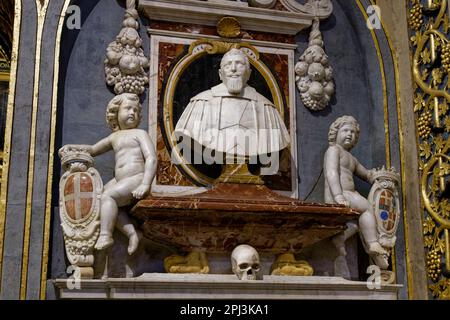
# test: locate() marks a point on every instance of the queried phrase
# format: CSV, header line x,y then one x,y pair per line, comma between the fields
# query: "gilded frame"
x,y
204,45
197,50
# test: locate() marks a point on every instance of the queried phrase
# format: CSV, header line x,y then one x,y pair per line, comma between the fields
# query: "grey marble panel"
x,y
17,181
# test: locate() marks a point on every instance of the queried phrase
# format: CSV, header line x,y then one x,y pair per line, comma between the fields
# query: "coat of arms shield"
x,y
385,203
80,194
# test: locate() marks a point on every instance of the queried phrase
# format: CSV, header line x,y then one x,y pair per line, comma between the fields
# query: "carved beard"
x,y
234,85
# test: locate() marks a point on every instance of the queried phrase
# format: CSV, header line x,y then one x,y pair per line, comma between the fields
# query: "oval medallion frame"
x,y
197,50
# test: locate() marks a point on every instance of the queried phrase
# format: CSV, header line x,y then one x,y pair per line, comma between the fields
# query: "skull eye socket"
x,y
255,266
243,265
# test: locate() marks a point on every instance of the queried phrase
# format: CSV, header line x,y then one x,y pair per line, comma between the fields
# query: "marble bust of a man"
x,y
232,117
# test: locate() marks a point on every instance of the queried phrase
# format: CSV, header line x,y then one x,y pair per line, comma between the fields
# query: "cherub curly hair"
x,y
339,123
112,109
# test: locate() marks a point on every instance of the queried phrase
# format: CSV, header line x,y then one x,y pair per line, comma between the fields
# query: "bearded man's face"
x,y
234,73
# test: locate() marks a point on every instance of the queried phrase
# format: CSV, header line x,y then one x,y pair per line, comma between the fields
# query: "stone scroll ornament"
x,y
125,62
314,75
80,190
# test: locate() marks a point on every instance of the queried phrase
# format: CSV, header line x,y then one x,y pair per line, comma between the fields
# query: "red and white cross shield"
x,y
79,195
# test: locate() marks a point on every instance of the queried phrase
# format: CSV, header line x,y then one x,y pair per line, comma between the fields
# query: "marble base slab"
x,y
211,286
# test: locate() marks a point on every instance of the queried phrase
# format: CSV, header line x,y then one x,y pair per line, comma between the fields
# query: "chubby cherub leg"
x,y
359,203
367,223
108,216
368,227
107,209
339,240
116,194
125,226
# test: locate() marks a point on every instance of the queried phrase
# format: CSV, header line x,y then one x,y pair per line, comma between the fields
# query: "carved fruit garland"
x,y
314,75
125,62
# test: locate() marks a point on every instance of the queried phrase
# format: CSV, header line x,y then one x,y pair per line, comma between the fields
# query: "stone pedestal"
x,y
193,286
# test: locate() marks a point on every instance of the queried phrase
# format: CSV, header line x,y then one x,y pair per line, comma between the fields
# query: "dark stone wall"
x,y
358,93
83,95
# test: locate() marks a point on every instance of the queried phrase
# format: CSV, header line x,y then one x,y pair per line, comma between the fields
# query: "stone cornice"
x,y
250,18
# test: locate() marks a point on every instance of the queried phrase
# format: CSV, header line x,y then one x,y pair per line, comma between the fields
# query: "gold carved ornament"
x,y
429,25
229,27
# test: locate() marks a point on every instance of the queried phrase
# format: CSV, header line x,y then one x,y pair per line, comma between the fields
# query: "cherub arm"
x,y
363,173
100,147
149,154
331,167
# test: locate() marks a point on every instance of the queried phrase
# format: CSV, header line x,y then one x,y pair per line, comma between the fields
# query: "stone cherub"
x,y
135,167
339,167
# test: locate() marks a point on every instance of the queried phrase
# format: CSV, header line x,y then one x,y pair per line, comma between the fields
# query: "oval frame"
x,y
197,50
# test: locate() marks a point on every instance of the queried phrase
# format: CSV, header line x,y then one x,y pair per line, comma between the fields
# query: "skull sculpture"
x,y
245,263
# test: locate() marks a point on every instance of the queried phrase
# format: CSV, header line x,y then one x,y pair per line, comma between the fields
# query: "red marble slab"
x,y
279,66
166,172
212,31
231,214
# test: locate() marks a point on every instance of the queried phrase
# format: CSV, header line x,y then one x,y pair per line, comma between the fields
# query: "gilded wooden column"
x,y
430,47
